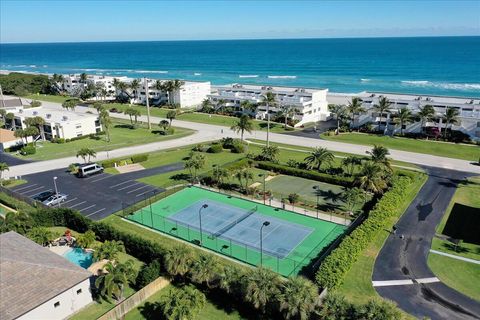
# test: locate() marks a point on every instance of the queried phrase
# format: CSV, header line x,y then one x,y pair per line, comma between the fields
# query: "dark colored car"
x,y
115,110
43,196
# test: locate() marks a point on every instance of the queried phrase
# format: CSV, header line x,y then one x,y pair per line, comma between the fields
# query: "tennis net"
x,y
235,222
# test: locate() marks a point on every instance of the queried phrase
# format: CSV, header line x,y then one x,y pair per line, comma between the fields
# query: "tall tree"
x,y
182,304
11,118
354,108
83,77
371,178
339,112
242,124
171,115
178,260
193,164
450,117
404,116
106,122
378,155
293,198
350,162
288,112
86,240
270,153
20,133
112,283
86,153
298,298
318,157
108,250
205,270
262,287
382,107
134,85
3,167
70,104
207,106
426,114
31,132
37,122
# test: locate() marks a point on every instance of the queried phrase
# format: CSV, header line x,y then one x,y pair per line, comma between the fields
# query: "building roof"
x,y
11,103
31,274
279,89
7,135
54,115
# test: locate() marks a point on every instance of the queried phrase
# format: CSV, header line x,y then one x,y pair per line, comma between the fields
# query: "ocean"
x,y
423,65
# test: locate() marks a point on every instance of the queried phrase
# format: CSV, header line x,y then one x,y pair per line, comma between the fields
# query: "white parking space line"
x,y
70,200
93,205
33,190
94,176
25,187
91,214
141,194
142,187
108,176
132,185
77,204
119,184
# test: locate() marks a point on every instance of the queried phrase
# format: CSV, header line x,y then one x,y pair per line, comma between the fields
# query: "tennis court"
x,y
286,243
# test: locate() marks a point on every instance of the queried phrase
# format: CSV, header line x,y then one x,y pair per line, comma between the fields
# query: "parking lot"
x,y
97,196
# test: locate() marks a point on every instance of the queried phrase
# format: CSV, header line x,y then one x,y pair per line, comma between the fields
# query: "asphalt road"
x,y
97,196
406,259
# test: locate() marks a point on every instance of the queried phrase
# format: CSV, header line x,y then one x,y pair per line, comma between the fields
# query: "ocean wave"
x,y
442,85
365,80
197,74
248,76
282,77
148,71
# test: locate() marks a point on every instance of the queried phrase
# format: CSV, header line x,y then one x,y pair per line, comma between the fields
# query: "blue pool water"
x,y
79,257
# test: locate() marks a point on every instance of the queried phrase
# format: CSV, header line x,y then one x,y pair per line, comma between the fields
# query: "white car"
x,y
55,199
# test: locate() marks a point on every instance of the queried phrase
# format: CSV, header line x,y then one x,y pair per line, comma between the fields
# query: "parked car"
x,y
115,110
42,196
89,169
55,199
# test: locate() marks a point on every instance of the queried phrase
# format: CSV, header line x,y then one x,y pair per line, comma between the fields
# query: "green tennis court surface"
x,y
231,226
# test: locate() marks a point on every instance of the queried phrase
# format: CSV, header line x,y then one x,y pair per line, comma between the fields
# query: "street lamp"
x,y
264,224
200,219
55,184
264,177
317,190
268,119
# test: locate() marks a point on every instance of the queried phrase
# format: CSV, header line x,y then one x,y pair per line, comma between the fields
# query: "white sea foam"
x,y
197,74
282,77
365,80
248,76
148,71
442,85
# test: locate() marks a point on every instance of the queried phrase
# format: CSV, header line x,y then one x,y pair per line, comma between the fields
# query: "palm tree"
x,y
205,269
450,117
426,113
382,107
404,116
293,198
298,298
270,153
207,106
220,104
245,105
40,235
269,100
106,123
354,107
339,112
134,85
37,122
112,283
30,132
83,77
288,113
229,279
371,178
262,286
195,163
218,174
242,124
19,222
56,79
3,167
182,304
86,240
172,86
11,118
35,104
130,112
350,162
172,114
379,155
20,133
108,250
351,198
98,106
318,157
85,153
178,260
70,104
244,175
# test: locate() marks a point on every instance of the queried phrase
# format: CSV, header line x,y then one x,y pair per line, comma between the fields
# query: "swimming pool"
x,y
79,257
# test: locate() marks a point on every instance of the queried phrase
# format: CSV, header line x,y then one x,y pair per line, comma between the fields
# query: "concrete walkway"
x,y
455,257
208,132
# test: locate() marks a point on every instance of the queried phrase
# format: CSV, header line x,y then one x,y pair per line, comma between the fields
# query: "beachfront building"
x,y
60,123
468,119
36,283
74,85
310,104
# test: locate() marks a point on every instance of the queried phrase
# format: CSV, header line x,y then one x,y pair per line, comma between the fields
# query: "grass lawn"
x,y
467,250
14,183
357,286
149,311
121,136
47,97
449,150
460,275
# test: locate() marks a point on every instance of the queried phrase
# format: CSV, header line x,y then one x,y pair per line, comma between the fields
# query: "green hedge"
x,y
139,158
333,269
215,148
307,174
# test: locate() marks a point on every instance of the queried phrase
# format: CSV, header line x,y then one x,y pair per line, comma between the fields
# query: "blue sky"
x,y
77,20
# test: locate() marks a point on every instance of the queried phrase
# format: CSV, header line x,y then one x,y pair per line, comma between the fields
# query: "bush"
x,y
58,140
28,150
237,147
333,269
307,174
108,163
215,148
139,158
148,273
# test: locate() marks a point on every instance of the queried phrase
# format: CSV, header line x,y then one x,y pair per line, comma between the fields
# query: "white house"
x,y
60,123
311,103
36,283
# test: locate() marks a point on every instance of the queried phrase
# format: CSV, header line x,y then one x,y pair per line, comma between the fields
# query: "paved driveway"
x,y
97,196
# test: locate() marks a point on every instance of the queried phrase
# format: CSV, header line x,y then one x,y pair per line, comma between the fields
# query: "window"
x,y
79,291
78,126
56,304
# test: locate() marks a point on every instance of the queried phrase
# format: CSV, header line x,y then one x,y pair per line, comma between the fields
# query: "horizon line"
x,y
246,39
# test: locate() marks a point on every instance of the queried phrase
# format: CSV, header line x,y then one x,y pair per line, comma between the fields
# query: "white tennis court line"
x,y
77,204
33,190
129,186
25,187
70,200
93,205
91,214
119,184
143,187
404,282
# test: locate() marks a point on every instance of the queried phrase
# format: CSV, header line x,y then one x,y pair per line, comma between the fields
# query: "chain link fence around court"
x,y
292,265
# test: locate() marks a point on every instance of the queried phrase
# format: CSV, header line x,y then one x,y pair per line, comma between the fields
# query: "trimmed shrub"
x,y
108,163
237,147
148,273
27,150
215,148
139,158
333,269
307,174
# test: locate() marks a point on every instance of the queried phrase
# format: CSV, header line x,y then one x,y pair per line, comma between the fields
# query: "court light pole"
x,y
200,220
317,188
55,184
264,177
264,224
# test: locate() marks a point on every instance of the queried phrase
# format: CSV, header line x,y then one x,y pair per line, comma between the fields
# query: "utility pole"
x,y
147,97
1,96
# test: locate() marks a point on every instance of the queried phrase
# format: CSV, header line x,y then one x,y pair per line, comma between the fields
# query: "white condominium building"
x,y
311,104
74,85
60,123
